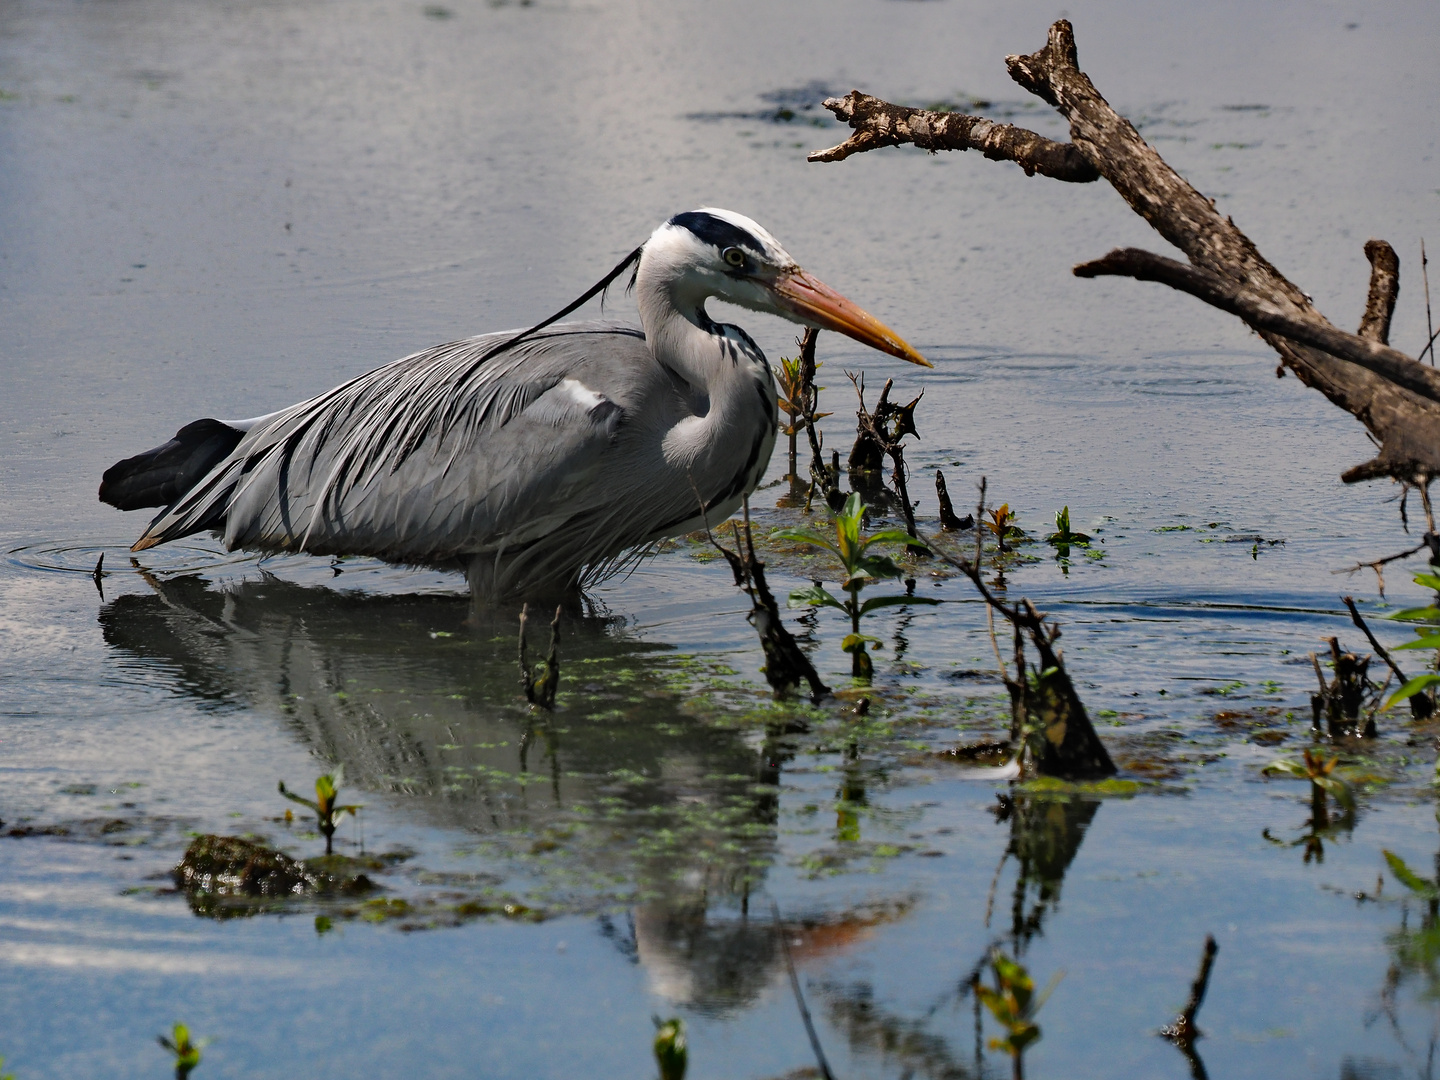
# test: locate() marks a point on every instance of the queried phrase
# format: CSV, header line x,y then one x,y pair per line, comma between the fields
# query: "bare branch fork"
x,y
1393,395
879,435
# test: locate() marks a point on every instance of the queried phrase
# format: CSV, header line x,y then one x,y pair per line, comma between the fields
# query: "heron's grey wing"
x,y
427,458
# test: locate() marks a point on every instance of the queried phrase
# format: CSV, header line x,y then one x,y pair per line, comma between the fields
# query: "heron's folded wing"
x,y
295,481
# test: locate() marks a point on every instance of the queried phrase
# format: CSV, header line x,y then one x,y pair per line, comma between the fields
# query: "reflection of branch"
x,y
783,935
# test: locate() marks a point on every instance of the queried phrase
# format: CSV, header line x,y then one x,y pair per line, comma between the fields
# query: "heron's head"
x,y
711,252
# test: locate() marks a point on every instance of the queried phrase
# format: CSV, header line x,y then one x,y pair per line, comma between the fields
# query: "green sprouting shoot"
x,y
327,812
862,568
1002,525
186,1051
670,1051
1013,1003
1062,536
791,384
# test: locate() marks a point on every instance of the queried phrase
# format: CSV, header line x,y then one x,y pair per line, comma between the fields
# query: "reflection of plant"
x,y
1324,781
1321,774
6,1076
1012,1001
670,1052
187,1053
327,812
851,547
1416,950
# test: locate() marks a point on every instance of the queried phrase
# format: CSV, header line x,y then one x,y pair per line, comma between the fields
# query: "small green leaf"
x,y
1288,768
1411,688
1418,614
857,642
1429,639
814,596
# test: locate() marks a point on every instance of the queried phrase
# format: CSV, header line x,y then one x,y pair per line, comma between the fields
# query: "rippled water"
x,y
218,209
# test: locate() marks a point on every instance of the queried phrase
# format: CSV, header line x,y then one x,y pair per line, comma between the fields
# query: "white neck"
x,y
721,369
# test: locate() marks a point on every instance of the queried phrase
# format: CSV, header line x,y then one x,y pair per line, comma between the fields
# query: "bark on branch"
x,y
1394,396
879,123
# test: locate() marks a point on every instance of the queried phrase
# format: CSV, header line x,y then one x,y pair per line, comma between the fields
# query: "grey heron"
x,y
539,461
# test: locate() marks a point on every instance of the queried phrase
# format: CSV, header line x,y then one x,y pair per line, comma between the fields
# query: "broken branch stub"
x,y
1390,393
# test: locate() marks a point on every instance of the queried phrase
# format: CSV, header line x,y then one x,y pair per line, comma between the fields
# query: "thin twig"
x,y
1429,325
800,997
979,567
1376,564
1183,1031
1420,704
1379,649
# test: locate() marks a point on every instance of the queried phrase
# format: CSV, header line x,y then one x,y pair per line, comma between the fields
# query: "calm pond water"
x,y
220,208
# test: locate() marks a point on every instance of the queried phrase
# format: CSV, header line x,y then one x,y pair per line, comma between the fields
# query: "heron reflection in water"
x,y
539,462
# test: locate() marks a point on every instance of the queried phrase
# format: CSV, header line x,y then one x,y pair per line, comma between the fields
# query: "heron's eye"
x,y
734,256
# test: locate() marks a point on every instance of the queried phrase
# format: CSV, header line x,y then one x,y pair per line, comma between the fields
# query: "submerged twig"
x,y
879,435
1183,1031
799,996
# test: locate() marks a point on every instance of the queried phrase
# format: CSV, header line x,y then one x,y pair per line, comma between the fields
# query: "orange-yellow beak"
x,y
812,301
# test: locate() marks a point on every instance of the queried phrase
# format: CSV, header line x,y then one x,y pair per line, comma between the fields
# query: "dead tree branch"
x,y
1391,394
1384,290
878,123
